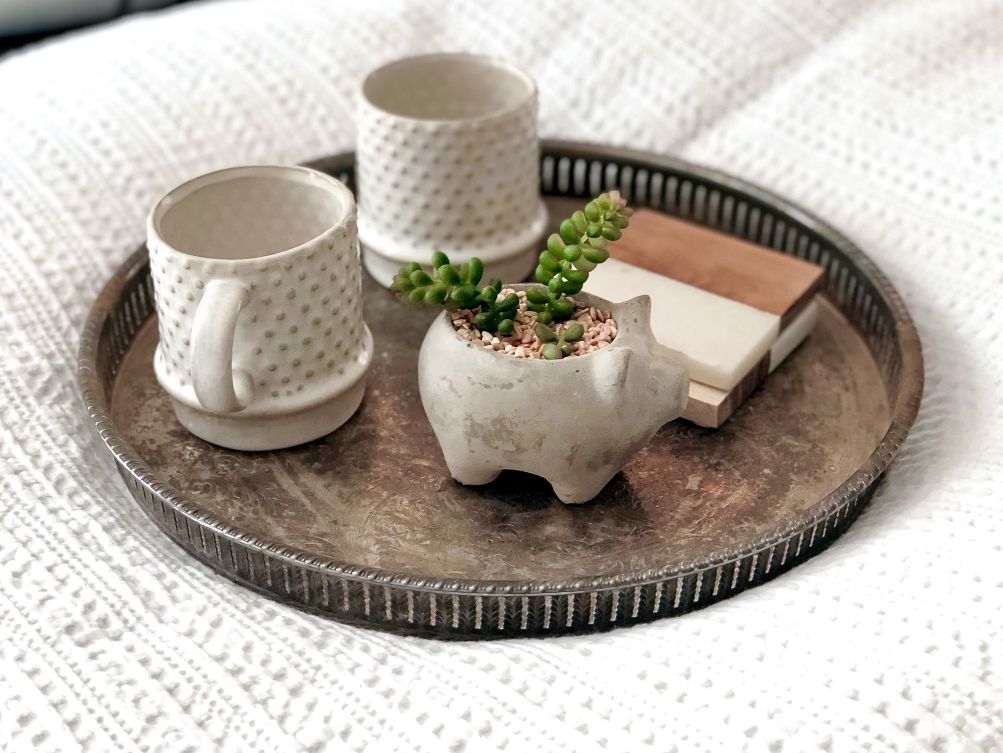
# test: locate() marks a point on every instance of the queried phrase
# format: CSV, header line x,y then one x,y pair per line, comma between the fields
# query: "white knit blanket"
x,y
884,117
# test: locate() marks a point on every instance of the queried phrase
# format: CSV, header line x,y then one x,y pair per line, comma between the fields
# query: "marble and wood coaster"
x,y
735,310
730,267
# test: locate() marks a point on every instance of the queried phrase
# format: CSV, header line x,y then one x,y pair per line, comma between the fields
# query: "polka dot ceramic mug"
x,y
258,288
448,158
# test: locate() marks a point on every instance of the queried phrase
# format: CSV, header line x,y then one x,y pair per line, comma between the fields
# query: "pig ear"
x,y
609,369
638,309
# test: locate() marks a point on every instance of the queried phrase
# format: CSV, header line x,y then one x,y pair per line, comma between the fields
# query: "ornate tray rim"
x,y
816,527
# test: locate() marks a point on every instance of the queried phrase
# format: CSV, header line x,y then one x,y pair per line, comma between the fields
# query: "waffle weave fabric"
x,y
884,117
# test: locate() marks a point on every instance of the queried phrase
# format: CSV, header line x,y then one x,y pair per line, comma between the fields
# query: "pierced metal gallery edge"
x,y
365,525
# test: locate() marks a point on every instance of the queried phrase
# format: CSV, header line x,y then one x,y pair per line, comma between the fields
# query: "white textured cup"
x,y
258,288
448,159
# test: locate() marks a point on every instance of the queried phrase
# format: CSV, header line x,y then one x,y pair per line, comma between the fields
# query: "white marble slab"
x,y
793,334
720,339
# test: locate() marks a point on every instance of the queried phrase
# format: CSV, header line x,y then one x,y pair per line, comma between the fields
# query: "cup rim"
x,y
298,172
497,63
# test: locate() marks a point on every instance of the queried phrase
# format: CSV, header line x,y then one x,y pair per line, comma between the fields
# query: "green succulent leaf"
x,y
573,332
562,308
570,288
555,245
464,294
549,263
535,295
420,277
475,270
544,333
484,320
568,232
552,352
572,252
509,303
447,273
436,294
401,284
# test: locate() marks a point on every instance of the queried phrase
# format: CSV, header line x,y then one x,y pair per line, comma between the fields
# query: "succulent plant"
x,y
557,345
574,251
564,266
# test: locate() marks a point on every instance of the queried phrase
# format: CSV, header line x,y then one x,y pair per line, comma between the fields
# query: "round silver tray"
x,y
365,525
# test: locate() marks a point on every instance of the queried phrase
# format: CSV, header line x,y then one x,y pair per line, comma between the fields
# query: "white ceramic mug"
x,y
448,159
258,288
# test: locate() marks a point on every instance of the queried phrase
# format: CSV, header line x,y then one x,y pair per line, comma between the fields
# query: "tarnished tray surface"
x,y
366,526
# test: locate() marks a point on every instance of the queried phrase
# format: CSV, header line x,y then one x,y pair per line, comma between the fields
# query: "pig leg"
x,y
581,487
469,472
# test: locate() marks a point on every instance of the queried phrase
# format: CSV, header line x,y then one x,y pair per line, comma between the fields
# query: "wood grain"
x,y
760,277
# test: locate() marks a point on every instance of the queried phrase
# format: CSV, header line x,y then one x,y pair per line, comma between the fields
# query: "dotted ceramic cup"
x,y
258,288
448,159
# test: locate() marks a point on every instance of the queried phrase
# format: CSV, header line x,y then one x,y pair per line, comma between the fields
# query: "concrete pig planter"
x,y
574,421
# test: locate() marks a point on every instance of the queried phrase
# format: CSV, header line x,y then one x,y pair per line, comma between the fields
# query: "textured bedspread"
x,y
884,117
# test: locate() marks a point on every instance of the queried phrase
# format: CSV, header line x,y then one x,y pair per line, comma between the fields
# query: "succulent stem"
x,y
575,250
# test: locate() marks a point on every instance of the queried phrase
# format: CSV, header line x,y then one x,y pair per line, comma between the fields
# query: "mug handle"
x,y
218,386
